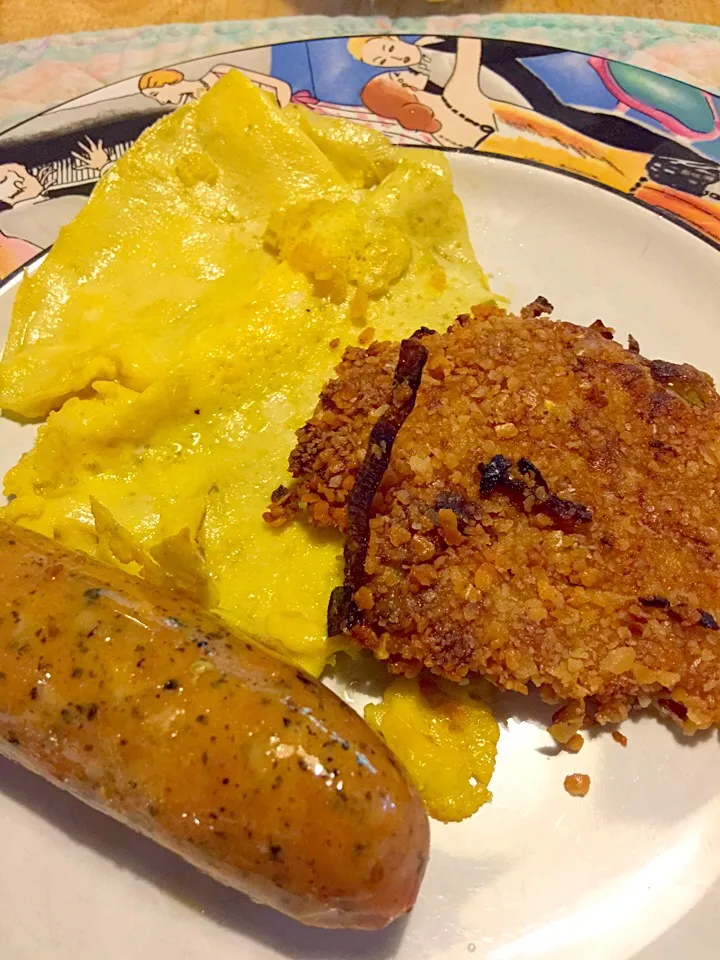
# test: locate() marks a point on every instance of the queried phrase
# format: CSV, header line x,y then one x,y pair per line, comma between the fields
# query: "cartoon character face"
x,y
169,94
18,184
390,52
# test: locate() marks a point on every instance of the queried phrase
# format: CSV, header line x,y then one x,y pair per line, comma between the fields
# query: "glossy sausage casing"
x,y
149,708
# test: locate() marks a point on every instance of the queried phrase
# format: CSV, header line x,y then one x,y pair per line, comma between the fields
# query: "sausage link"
x,y
150,709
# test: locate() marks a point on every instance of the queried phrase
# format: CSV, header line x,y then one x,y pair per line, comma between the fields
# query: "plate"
x,y
596,186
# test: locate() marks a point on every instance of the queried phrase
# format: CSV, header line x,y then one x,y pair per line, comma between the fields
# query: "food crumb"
x,y
575,743
619,738
364,599
577,784
367,335
334,343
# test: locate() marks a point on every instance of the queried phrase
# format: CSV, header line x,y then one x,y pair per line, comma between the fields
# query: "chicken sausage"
x,y
150,709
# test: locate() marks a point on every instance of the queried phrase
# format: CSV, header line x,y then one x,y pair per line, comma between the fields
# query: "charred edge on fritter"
x,y
343,612
283,504
667,373
567,515
599,327
677,710
447,500
422,332
540,305
279,494
495,473
659,603
706,620
684,380
633,346
406,382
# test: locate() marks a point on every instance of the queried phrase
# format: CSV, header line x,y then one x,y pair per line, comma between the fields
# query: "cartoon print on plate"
x,y
37,199
170,87
92,156
652,138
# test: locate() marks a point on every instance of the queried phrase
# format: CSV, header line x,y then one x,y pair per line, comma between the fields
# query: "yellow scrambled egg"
x,y
446,736
179,333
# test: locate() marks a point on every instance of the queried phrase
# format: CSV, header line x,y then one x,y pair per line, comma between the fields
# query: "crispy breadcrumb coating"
x,y
549,516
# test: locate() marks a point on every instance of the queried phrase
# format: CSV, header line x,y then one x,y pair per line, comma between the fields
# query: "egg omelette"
x,y
183,324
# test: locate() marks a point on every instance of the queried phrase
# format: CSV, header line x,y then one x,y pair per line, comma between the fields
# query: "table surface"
x,y
20,19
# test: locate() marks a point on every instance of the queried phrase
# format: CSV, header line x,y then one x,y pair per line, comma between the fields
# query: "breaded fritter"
x,y
549,516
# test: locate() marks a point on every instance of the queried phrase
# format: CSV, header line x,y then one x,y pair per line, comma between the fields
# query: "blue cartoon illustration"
x,y
647,136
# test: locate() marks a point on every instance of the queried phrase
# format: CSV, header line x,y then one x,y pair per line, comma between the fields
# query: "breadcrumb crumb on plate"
x,y
577,784
575,743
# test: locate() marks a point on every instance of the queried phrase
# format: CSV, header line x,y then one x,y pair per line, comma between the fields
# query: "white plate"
x,y
630,871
